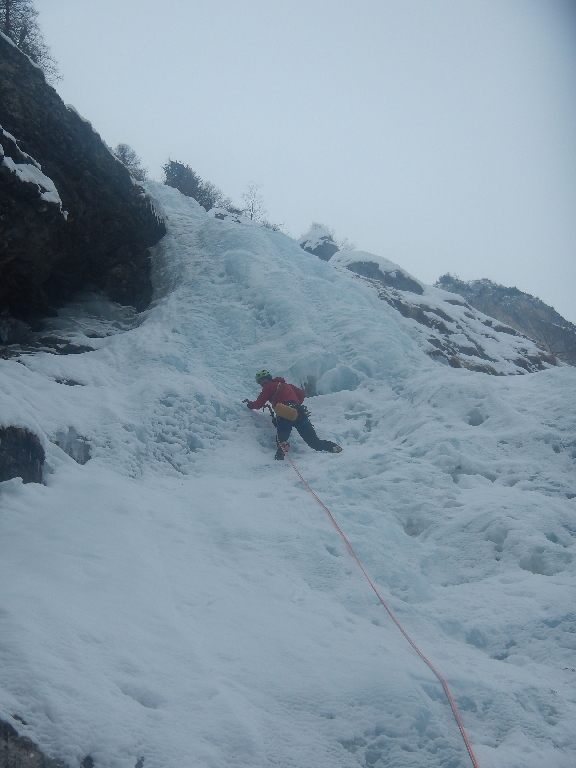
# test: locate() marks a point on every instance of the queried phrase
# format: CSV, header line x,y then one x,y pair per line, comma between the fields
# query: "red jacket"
x,y
278,391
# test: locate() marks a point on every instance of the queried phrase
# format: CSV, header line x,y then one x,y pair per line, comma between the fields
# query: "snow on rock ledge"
x,y
28,171
527,314
16,750
380,269
446,326
53,161
319,241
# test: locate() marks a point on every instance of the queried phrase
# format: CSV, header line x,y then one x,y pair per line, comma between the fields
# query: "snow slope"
x,y
180,598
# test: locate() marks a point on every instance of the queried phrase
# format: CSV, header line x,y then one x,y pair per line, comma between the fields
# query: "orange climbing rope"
x,y
394,619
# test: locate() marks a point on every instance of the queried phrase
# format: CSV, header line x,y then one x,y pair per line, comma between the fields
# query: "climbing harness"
x,y
392,616
281,409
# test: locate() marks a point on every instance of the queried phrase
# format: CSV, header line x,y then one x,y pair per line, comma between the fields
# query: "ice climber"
x,y
286,400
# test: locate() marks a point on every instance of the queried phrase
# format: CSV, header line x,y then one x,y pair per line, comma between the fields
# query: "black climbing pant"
x,y
304,429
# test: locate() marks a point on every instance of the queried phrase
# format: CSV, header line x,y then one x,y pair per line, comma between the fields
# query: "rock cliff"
x,y
71,216
449,329
526,313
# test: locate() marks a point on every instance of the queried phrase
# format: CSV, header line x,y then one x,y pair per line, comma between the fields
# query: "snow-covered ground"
x,y
181,599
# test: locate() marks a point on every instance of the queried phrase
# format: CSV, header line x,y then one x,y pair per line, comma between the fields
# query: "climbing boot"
x,y
279,455
336,449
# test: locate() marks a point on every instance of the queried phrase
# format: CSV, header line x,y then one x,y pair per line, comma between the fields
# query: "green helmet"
x,y
262,374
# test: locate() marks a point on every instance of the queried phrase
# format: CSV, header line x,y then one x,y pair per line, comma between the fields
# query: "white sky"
x,y
437,133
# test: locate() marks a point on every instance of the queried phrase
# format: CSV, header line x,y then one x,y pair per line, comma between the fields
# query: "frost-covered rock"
x,y
448,328
69,213
380,269
27,170
527,314
319,241
236,216
19,751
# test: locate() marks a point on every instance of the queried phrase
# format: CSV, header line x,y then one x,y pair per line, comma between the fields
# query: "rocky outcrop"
x,y
527,314
70,214
319,241
447,327
21,455
391,278
20,751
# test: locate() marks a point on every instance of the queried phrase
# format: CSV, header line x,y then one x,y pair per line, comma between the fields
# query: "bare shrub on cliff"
x,y
211,196
130,159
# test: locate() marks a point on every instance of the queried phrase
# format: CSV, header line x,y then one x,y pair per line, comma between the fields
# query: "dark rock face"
x,y
21,455
393,279
20,752
70,214
13,331
525,313
319,242
324,250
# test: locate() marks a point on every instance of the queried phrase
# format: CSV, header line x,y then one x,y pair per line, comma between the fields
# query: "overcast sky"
x,y
437,133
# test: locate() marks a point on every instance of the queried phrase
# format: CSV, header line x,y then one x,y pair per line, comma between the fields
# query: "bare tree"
x,y
210,196
345,245
18,22
254,208
130,159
